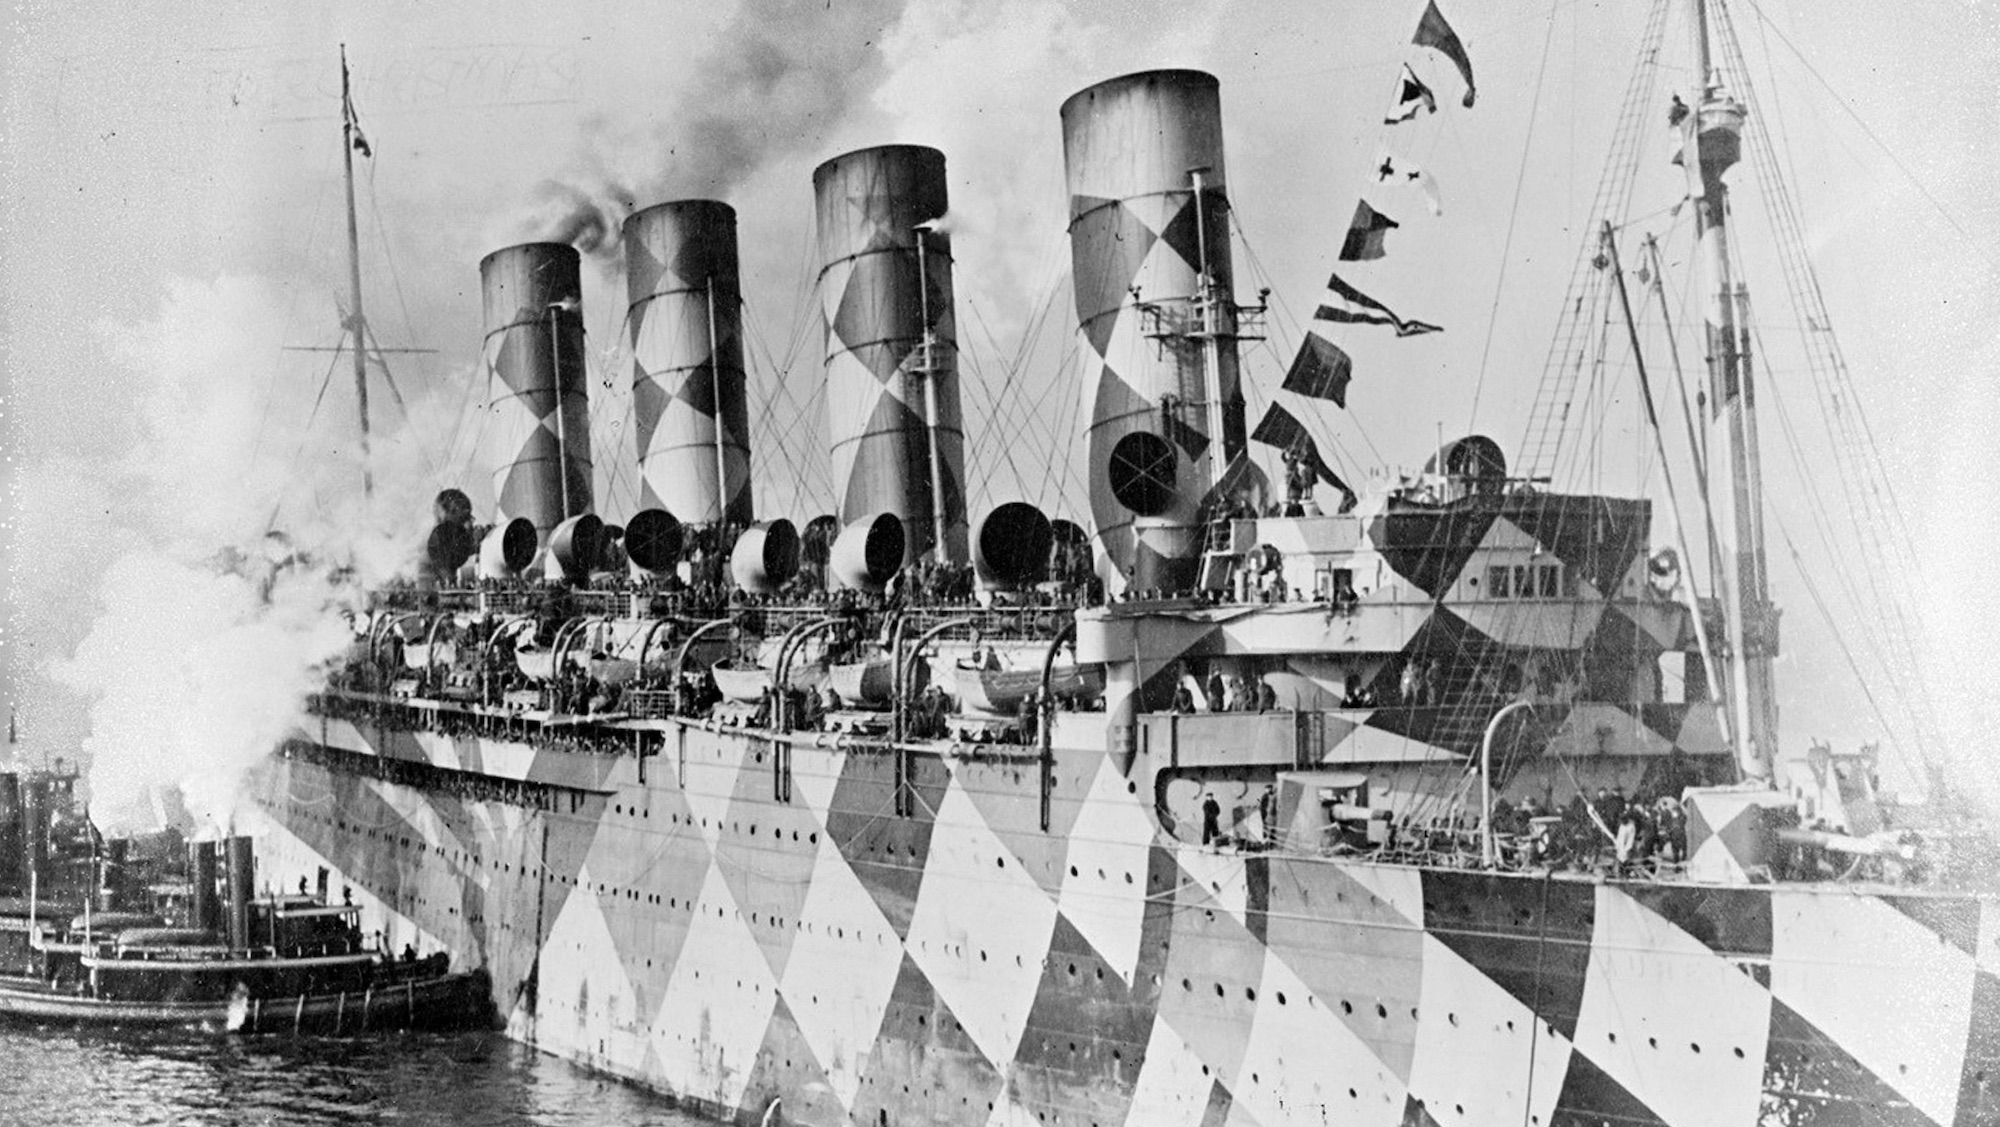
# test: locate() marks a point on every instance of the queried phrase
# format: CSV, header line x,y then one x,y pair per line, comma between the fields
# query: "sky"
x,y
171,227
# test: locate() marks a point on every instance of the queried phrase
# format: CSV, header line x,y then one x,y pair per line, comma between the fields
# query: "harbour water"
x,y
456,1080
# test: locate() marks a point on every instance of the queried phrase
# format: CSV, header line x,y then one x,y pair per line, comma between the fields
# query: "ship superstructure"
x,y
1252,813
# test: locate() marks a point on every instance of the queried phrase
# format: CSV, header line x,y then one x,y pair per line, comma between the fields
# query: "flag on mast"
x,y
1412,98
1346,305
1281,430
1366,233
1434,32
1398,171
1321,370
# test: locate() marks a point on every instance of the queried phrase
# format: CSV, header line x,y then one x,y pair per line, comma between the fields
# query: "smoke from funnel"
x,y
780,79
586,218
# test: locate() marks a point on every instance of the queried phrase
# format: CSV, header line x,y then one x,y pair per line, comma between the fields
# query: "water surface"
x,y
50,1077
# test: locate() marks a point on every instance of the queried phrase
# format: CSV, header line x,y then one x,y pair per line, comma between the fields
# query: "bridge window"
x,y
1528,581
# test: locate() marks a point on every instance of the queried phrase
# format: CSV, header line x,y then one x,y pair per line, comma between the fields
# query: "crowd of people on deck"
x,y
1231,693
1625,833
1610,834
467,786
709,592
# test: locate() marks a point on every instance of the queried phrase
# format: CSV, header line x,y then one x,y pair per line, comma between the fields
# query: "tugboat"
x,y
202,952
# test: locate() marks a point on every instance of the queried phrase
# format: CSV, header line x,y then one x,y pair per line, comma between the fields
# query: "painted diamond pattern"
x,y
982,952
928,976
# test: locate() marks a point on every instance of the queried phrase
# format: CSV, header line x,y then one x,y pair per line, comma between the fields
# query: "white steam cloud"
x,y
197,672
207,639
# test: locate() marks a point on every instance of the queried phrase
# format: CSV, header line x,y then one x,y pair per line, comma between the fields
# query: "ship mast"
x,y
1713,143
715,397
1211,307
356,323
927,370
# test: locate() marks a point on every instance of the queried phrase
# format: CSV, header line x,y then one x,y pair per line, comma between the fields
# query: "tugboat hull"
x,y
446,1001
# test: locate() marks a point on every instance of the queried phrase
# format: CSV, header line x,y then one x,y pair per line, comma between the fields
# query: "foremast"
x,y
357,325
1713,142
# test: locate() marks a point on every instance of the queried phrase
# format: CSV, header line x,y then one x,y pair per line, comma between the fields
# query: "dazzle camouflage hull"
x,y
738,919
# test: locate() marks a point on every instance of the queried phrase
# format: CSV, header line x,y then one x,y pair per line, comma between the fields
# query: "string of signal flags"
x,y
1322,369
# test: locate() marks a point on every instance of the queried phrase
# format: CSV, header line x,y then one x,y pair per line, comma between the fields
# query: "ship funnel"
x,y
15,874
885,285
766,556
685,319
1011,547
653,541
869,552
204,910
577,546
1167,416
534,358
508,549
242,880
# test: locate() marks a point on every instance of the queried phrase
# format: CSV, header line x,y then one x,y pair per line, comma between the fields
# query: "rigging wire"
x,y
396,393
291,310
1292,328
809,476
1866,624
1839,638
1859,466
325,381
388,255
1550,415
1972,241
1513,219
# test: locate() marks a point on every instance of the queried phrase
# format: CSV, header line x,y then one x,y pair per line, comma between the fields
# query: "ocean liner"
x,y
1228,808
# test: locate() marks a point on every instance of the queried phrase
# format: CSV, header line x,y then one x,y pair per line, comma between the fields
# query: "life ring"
x,y
1663,570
